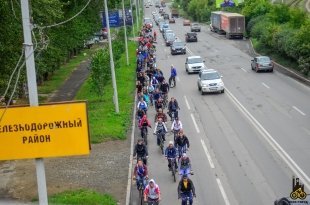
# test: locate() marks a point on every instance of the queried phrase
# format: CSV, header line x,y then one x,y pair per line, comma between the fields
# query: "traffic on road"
x,y
241,143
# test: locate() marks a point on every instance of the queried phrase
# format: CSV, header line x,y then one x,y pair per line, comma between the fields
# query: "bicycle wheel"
x,y
141,196
173,171
145,138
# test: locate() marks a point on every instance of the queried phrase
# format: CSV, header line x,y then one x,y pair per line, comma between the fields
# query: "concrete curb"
x,y
284,69
128,195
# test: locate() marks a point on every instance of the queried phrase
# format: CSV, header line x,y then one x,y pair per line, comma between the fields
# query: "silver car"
x,y
195,27
210,81
262,63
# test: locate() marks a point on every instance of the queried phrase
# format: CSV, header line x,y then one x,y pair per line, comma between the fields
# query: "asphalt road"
x,y
247,143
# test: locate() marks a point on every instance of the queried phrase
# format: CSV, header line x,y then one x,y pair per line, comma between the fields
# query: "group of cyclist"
x,y
152,91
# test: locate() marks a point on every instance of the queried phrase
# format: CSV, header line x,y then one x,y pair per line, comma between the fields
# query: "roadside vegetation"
x,y
81,197
275,29
105,123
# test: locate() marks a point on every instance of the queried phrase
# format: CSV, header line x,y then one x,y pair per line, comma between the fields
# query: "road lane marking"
x,y
244,70
178,79
195,124
298,110
265,85
186,102
188,50
219,183
208,154
272,142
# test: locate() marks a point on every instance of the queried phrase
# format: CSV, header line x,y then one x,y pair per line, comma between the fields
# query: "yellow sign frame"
x,y
48,130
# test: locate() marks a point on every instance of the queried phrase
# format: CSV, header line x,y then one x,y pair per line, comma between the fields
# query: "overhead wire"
x,y
73,17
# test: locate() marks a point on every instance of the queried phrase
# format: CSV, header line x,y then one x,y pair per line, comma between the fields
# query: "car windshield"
x,y
170,36
165,26
263,59
210,76
191,34
194,60
195,24
147,20
178,44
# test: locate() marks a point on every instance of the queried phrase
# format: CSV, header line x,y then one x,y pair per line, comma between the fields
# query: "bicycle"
x,y
165,100
141,190
159,135
175,135
172,168
144,134
187,199
152,202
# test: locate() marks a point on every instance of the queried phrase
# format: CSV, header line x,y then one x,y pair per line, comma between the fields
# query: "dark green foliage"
x,y
63,41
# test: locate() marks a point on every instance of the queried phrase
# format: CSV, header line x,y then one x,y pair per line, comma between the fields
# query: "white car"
x,y
194,64
210,80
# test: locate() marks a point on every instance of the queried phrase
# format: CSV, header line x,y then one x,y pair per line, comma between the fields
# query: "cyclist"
x,y
150,89
173,106
142,105
140,151
171,154
176,127
156,94
154,82
185,165
186,190
182,143
140,173
159,104
144,123
173,74
160,114
164,88
152,193
160,127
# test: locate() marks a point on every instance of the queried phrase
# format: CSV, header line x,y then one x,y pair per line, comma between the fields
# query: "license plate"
x,y
215,88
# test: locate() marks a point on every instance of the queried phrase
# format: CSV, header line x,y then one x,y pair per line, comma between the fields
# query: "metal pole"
x,y
125,28
137,16
115,97
138,7
133,26
33,93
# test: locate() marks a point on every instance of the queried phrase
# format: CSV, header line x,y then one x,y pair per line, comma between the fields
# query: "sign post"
x,y
33,93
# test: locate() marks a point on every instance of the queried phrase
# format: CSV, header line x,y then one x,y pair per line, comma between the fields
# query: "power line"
x,y
57,24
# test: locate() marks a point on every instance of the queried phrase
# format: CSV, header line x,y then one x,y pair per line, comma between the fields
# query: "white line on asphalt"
x,y
298,110
195,124
266,85
219,183
190,52
131,152
243,69
186,102
272,142
178,79
208,154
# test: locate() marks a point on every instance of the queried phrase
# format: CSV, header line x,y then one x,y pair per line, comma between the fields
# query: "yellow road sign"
x,y
51,130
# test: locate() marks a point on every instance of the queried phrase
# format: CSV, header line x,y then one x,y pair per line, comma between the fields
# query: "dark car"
x,y
262,63
178,47
166,16
170,38
191,37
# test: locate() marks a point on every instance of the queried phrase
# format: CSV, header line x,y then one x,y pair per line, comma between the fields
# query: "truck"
x,y
174,13
230,24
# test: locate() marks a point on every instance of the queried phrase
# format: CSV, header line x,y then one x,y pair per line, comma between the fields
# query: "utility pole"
x,y
137,16
125,28
115,96
133,26
33,93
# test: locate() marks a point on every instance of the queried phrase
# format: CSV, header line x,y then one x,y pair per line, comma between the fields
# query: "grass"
x,y
81,197
60,75
104,123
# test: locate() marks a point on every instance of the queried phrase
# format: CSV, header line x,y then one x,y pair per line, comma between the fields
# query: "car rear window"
x,y
263,59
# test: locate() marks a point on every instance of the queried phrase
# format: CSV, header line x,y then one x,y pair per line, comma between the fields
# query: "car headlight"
x,y
221,83
205,84
173,48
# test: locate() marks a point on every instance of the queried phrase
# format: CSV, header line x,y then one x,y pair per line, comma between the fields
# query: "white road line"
x,y
186,102
244,70
208,154
298,110
190,52
265,85
195,124
272,142
219,183
178,79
